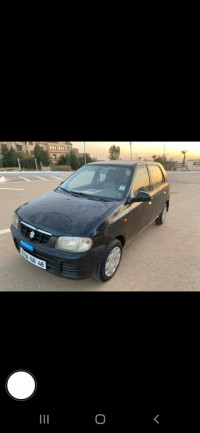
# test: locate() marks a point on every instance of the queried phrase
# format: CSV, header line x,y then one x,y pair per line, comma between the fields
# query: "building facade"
x,y
55,148
193,164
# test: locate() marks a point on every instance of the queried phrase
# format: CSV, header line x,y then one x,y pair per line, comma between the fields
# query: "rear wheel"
x,y
109,262
161,218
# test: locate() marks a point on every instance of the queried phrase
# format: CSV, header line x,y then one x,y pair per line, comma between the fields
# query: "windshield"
x,y
104,181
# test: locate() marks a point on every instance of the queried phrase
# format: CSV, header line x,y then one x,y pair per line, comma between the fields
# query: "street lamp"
x,y
84,152
164,150
131,149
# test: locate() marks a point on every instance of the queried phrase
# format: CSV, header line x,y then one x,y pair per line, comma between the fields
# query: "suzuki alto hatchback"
x,y
79,230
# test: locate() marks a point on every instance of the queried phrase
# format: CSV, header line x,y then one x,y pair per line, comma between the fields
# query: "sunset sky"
x,y
143,149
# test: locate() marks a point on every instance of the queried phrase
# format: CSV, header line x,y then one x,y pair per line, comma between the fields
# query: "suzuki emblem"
x,y
32,234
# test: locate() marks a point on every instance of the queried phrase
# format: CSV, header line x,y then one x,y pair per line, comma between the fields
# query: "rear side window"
x,y
157,176
141,181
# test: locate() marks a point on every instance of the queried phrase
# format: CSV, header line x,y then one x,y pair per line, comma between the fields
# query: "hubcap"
x,y
164,212
112,261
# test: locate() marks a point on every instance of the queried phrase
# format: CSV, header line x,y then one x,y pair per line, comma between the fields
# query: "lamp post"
x,y
131,150
164,151
84,153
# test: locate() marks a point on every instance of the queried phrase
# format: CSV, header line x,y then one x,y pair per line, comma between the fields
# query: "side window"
x,y
141,181
157,176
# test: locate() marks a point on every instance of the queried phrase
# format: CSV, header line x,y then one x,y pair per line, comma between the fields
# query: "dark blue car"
x,y
79,230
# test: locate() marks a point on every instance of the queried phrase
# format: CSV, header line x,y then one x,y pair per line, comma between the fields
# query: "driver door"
x,y
140,214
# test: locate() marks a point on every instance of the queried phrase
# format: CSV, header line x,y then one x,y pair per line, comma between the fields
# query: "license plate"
x,y
33,260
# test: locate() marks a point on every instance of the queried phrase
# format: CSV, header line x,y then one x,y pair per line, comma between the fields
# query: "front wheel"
x,y
161,218
109,262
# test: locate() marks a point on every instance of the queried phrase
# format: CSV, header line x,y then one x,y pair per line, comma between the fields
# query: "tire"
x,y
161,218
103,270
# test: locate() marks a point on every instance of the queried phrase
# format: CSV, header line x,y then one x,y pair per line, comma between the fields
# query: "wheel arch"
x,y
121,238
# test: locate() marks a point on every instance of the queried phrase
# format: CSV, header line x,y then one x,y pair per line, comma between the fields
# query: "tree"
x,y
74,160
154,157
62,160
42,155
38,153
46,158
159,159
9,157
114,152
184,155
82,160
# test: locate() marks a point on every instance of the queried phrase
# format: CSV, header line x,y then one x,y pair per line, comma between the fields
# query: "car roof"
x,y
124,163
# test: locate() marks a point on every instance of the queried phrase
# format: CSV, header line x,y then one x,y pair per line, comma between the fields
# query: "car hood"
x,y
64,214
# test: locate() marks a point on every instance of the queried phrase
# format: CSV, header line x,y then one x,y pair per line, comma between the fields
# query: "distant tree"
x,y
82,160
114,152
38,153
21,154
169,165
42,155
184,155
74,160
154,157
159,159
46,158
9,157
62,160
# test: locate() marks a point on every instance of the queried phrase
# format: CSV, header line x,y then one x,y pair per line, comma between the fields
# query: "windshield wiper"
x,y
61,187
100,198
77,194
90,196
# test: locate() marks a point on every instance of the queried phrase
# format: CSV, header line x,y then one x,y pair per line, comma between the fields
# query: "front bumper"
x,y
77,266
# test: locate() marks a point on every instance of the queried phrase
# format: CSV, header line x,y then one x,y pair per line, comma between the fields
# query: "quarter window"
x,y
141,181
156,175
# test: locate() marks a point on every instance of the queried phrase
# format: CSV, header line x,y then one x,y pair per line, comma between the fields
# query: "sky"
x,y
141,149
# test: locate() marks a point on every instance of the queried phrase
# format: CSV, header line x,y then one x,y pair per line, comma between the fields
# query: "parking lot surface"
x,y
161,258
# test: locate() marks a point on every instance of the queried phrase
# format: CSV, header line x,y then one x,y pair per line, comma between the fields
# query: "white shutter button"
x,y
100,419
21,385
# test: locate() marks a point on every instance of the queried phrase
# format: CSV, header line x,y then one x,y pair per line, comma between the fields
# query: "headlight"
x,y
15,220
75,245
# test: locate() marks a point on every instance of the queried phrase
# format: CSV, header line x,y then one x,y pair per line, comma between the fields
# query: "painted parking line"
x,y
55,177
25,178
4,231
17,181
14,189
42,178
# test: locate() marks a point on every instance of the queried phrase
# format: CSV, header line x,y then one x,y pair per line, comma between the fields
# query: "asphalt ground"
x,y
161,258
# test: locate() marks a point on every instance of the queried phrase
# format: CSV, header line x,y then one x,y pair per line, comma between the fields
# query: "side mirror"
x,y
61,182
141,196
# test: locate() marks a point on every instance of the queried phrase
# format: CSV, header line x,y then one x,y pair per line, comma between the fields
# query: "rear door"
x,y
160,187
140,214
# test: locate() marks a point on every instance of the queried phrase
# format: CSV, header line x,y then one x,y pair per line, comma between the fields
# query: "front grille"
x,y
51,267
69,270
39,236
